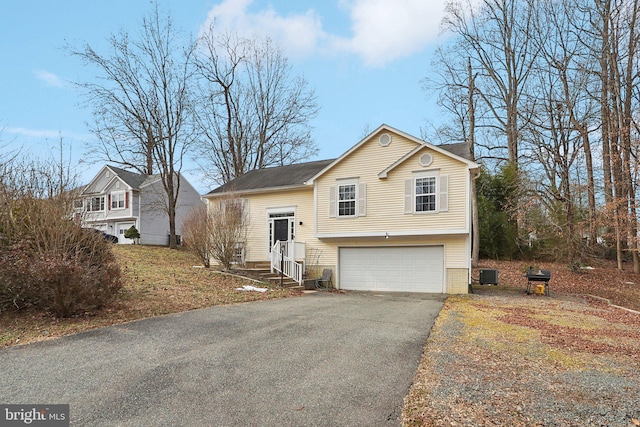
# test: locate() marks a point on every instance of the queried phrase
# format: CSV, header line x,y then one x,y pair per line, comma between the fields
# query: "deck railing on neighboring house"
x,y
282,263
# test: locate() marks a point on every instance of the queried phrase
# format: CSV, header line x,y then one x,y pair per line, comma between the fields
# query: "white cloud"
x,y
296,34
40,134
34,133
382,30
49,79
385,30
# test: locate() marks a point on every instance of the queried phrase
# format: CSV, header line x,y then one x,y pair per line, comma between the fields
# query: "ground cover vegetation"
x,y
500,357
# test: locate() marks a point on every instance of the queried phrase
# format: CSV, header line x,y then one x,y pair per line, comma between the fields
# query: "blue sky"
x,y
364,58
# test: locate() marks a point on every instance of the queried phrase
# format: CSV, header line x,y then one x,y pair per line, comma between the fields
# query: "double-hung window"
x,y
95,204
118,200
347,200
425,194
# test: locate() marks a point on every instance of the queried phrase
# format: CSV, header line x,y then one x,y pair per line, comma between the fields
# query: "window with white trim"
x,y
118,200
95,204
426,192
347,199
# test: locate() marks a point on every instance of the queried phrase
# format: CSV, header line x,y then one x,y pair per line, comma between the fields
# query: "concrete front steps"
x,y
263,273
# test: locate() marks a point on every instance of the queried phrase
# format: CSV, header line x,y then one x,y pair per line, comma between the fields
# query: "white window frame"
x,y
360,200
354,200
433,182
101,204
441,194
117,198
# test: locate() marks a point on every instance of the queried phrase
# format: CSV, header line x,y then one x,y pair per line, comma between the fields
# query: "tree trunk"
x,y
627,118
590,185
475,221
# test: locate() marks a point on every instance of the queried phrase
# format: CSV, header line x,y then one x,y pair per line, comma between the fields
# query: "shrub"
x,y
132,233
48,261
196,233
75,275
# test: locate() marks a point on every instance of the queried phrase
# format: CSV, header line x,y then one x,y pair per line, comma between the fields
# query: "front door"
x,y
281,229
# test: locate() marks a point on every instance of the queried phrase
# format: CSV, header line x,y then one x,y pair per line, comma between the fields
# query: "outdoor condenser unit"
x,y
489,277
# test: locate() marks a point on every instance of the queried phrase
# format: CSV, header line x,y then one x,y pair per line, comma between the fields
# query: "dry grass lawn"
x,y
157,281
501,357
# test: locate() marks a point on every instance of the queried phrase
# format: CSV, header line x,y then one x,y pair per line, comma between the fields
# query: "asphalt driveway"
x,y
319,360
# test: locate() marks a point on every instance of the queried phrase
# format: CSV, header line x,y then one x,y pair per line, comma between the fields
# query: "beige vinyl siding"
x,y
326,249
385,197
301,201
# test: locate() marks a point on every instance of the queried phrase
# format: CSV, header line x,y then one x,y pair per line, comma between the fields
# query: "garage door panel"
x,y
406,269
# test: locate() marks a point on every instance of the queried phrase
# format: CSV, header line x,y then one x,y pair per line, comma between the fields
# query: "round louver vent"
x,y
426,159
385,139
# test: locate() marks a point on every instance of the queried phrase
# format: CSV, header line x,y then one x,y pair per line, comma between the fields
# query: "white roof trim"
x,y
109,182
470,165
117,177
96,177
421,144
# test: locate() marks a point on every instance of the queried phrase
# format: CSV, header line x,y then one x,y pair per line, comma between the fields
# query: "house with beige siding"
x,y
393,213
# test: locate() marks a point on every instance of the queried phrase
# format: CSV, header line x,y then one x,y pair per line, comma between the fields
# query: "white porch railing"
x,y
282,261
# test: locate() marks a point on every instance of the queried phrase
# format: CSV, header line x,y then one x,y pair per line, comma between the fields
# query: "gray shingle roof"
x,y
460,149
133,179
281,176
292,175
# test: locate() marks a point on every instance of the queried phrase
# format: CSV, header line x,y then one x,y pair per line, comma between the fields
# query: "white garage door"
x,y
404,269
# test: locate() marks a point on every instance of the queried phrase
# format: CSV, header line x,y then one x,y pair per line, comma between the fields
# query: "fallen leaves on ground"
x,y
621,287
501,357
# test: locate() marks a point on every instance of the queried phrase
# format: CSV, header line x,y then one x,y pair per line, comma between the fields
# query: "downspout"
x,y
139,220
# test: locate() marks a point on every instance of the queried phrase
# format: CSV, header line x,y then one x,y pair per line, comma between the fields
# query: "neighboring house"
x,y
116,199
393,213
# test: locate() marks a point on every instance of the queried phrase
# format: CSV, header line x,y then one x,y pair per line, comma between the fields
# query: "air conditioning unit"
x,y
489,277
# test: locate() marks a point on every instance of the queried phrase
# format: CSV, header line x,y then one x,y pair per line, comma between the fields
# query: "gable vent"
x,y
384,139
426,159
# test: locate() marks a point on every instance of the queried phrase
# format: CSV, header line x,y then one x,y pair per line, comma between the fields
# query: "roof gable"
x,y
297,175
442,149
456,151
132,179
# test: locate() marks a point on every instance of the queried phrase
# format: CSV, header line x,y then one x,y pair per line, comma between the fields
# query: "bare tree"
x,y
560,114
254,112
197,230
497,37
229,225
141,101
